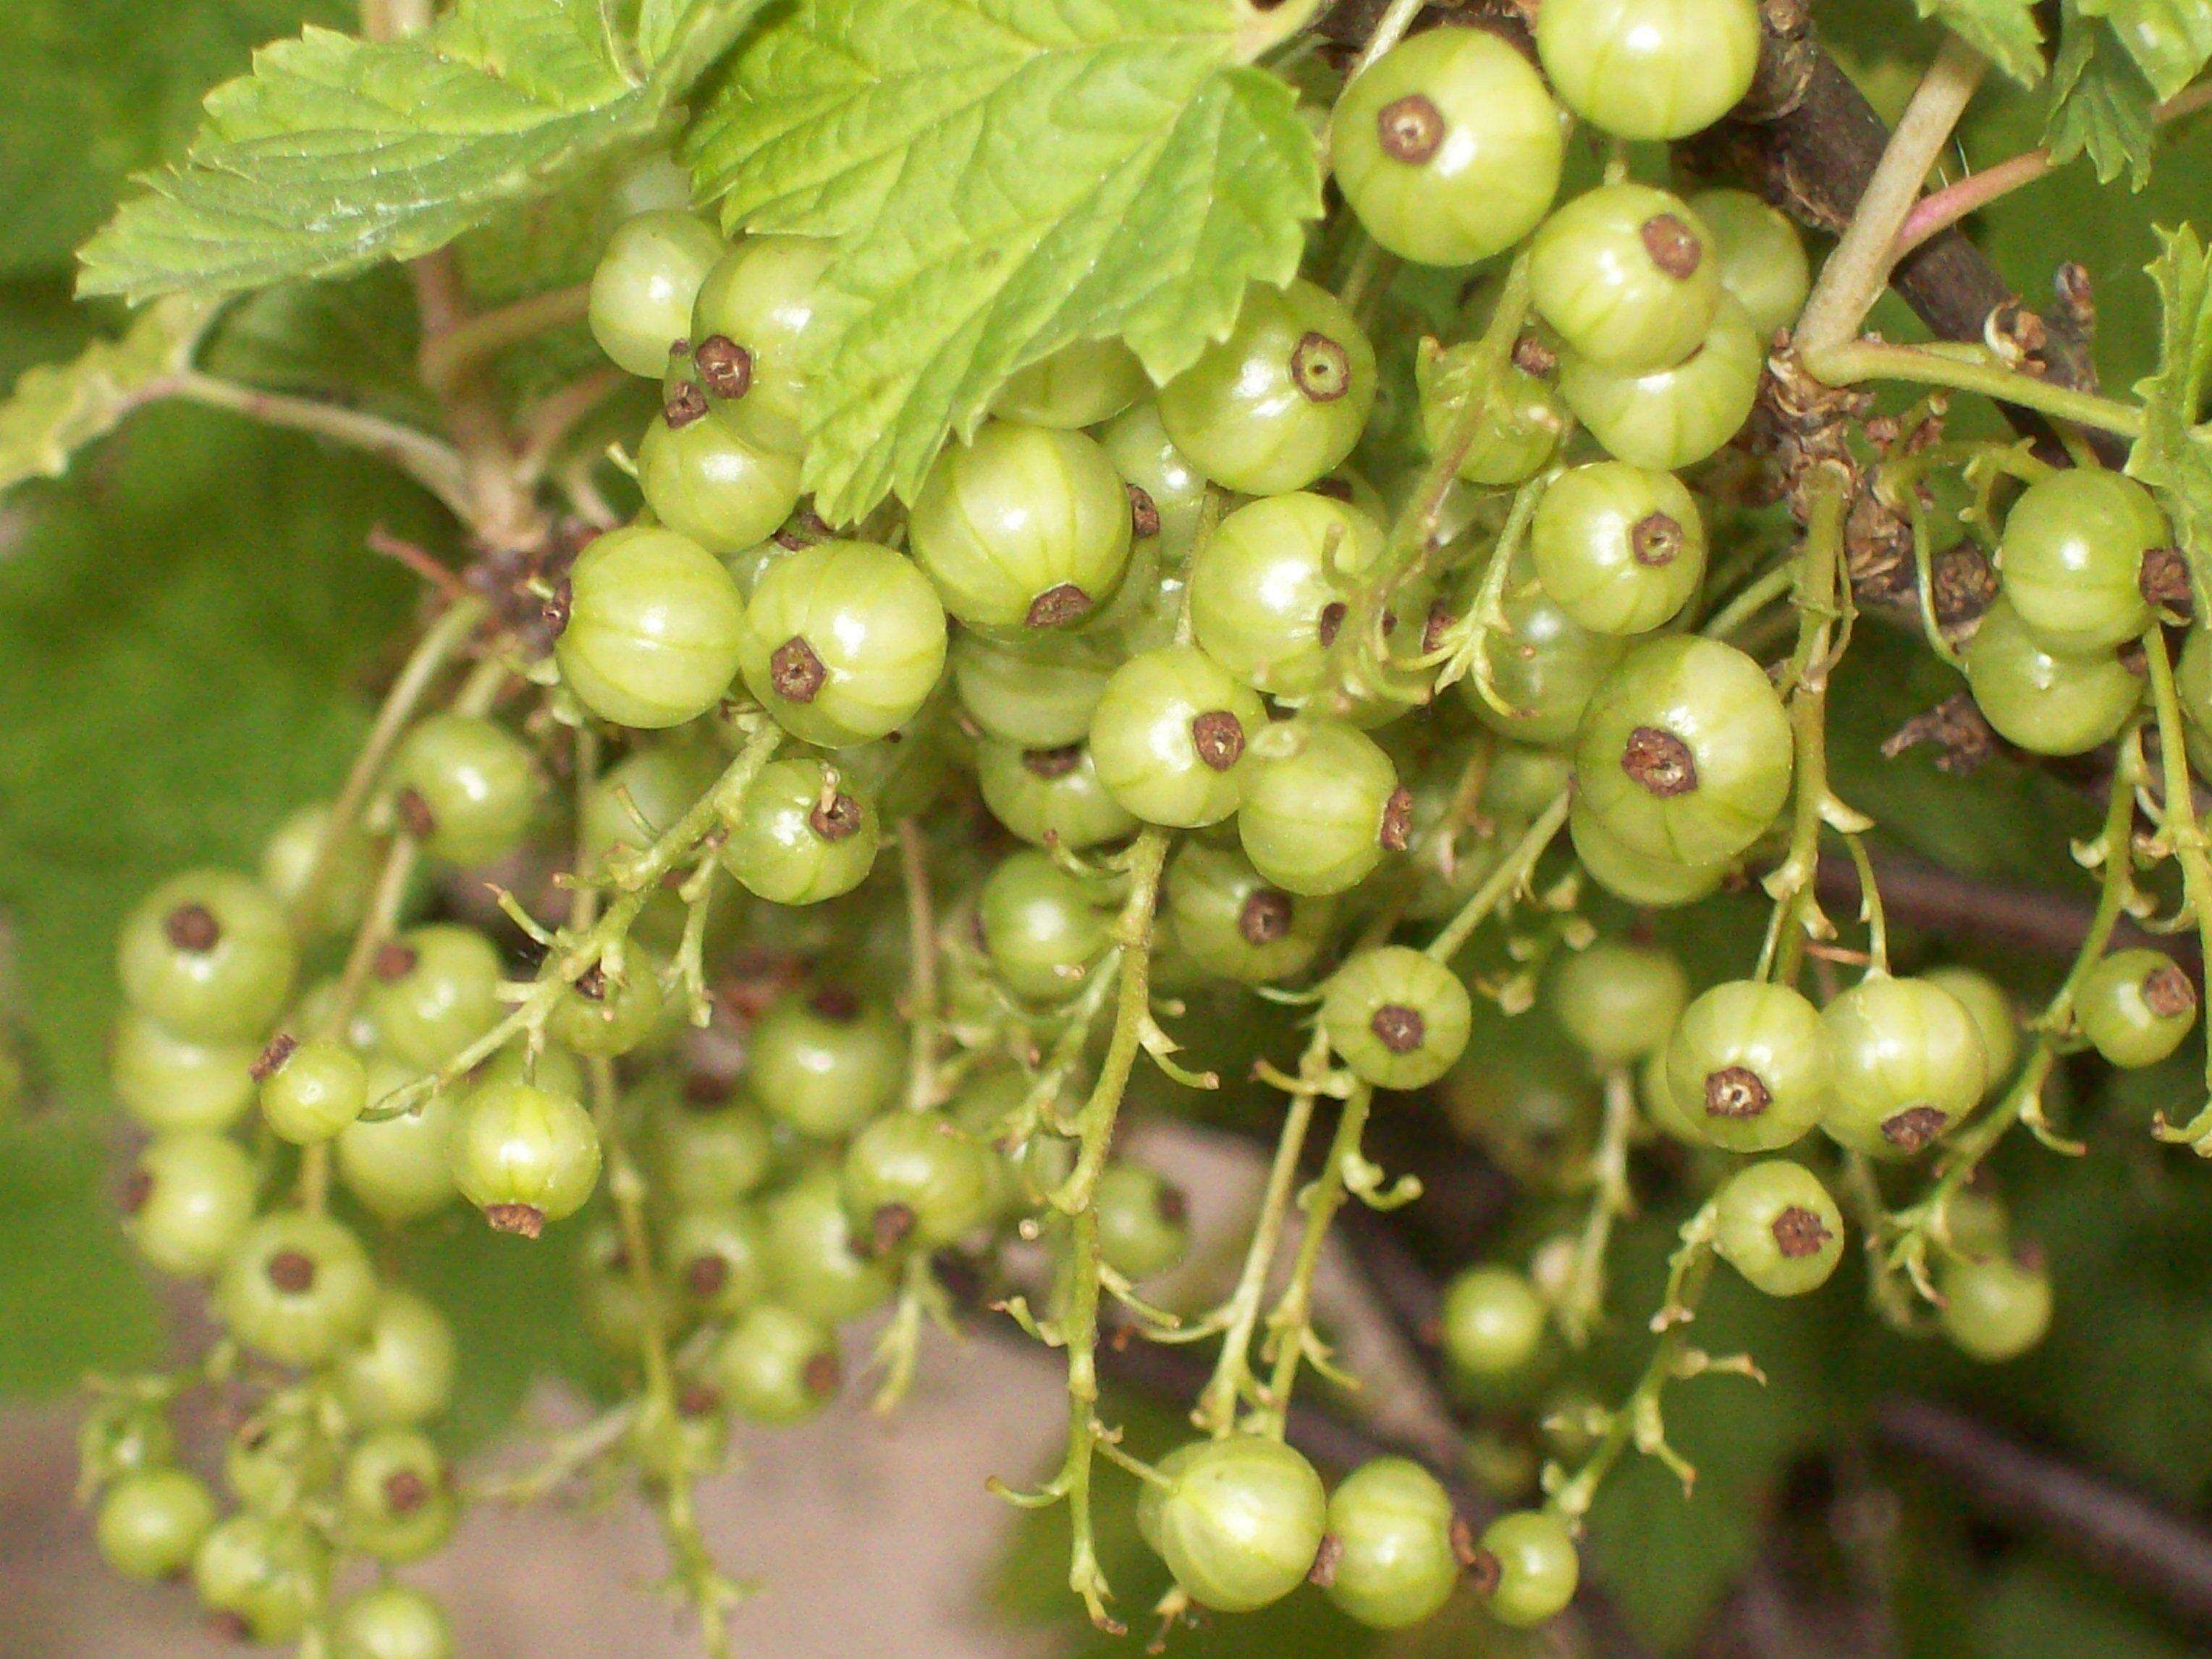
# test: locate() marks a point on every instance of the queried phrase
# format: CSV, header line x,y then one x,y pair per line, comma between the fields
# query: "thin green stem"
x,y
1502,882
1871,360
2184,835
1583,1299
1751,601
922,1010
1818,566
1289,1327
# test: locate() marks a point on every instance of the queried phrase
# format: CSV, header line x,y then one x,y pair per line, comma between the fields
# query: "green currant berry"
x,y
643,290
1391,1556
826,1063
1995,1309
1228,921
1281,401
1321,805
906,774
187,1201
1519,431
1492,1322
266,1577
1627,275
2046,703
392,1621
1543,664
1622,550
918,1178
297,1288
800,836
1748,1064
1398,1019
1041,926
433,991
717,1259
467,789
619,1310
1685,751
1037,692
844,642
1669,418
1996,1020
1268,589
1657,882
815,1264
705,482
151,1523
524,1156
1618,1000
652,628
210,955
1904,1066
289,859
706,1157
604,1018
756,320
312,1090
2073,555
1762,258
396,1500
1144,1220
1650,68
1526,1567
1167,493
1168,737
1049,797
401,1372
682,1436
1078,385
776,1366
1448,147
167,1083
1242,1524
2136,1006
631,806
1522,780
397,1167
275,1458
1777,1225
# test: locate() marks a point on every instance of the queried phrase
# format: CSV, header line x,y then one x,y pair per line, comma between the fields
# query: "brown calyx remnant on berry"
x,y
683,403
890,1226
836,819
1144,512
1397,820
2163,581
192,928
1323,1570
393,961
524,1220
416,816
724,366
835,1002
292,1272
803,529
1337,489
1484,1570
1398,1028
1656,540
1661,762
1736,1092
553,615
1532,357
1464,1548
1059,606
1438,624
1914,1127
1410,128
822,1375
696,1399
591,983
1330,620
794,673
1170,1205
1219,737
137,1191
1674,246
1265,916
270,1061
1320,367
231,1626
1800,1232
405,1492
2167,992
706,1274
1050,763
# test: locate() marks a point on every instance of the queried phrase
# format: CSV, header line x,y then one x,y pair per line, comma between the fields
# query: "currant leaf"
x,y
2100,105
60,408
2171,41
2003,31
2174,454
1009,177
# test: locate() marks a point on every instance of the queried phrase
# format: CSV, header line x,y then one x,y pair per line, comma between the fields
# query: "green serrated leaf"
x,y
1009,176
2171,41
2174,454
2003,31
2099,103
58,409
335,153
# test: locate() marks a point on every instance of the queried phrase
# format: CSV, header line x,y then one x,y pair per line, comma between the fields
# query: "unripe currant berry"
x,y
1627,275
757,318
1398,1019
169,1083
1762,256
310,1091
396,1500
2048,703
644,288
1641,879
917,1179
1650,68
1041,926
825,1062
1078,385
1241,1523
717,1259
401,1372
1037,691
703,481
1230,922
151,1522
1526,1568
843,641
1491,1322
391,1621
290,857
2136,1006
1669,418
1543,666
1144,1220
1167,490
524,1156
706,1156
652,628
681,1435
1778,1226
1169,737
602,1017
1904,1066
211,957
1748,1065
1518,431
433,991
1395,1548
297,1288
119,1436
801,834
1995,1309
1049,797
816,1265
465,787
1321,805
266,1577
1618,1000
2073,557
397,1167
776,1366
1621,549
187,1201
1996,1020
1268,588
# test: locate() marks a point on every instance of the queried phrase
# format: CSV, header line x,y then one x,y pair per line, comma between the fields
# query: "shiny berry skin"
x,y
1268,589
1144,1220
166,1082
919,1180
289,858
654,631
800,836
1621,549
1321,806
1169,737
1078,385
1650,68
827,1063
1049,796
1996,1020
271,1576
391,1621
1229,922
2136,1006
776,1366
717,1259
1023,527
817,1265
1685,751
706,1157
703,481
1994,1310
844,642
1281,401
1527,1567
397,1167
466,786
187,1201
1492,1322
1761,257
1627,275
433,991
1037,692
643,290
150,1523
1391,1555
1670,418
1904,1066
1618,1000
2046,703
756,316
2072,558
524,1156
316,1089
1173,489
1748,1063
1544,665
1242,1524
1658,883
1519,431
602,1017
401,1372
210,955
1777,1225
1398,1019
395,1499
298,1289
1042,927
1448,147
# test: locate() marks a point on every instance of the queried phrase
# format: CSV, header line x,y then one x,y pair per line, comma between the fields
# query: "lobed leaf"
x,y
2099,103
2003,31
2171,41
2174,454
57,409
